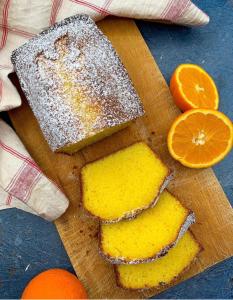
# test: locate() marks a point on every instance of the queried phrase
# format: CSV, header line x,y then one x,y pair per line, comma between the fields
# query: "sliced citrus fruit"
x,y
192,87
200,138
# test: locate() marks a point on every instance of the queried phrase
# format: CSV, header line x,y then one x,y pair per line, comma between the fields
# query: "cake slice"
x,y
161,271
149,236
76,84
123,184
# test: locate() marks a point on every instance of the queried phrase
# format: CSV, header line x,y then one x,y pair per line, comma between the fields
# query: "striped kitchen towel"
x,y
22,184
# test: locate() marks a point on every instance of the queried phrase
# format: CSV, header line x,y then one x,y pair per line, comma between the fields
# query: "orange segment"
x,y
192,87
200,138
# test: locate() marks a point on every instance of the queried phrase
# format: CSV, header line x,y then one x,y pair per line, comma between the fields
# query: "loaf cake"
x,y
149,236
75,84
123,184
161,271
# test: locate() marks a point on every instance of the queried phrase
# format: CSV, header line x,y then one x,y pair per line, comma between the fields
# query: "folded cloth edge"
x,y
21,178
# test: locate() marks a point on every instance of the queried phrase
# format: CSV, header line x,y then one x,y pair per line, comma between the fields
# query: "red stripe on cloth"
x,y
13,179
108,2
9,199
176,9
31,188
26,159
92,6
4,22
53,7
166,9
24,182
106,6
17,31
19,155
54,11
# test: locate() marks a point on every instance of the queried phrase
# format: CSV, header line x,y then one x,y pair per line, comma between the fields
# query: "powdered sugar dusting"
x,y
75,82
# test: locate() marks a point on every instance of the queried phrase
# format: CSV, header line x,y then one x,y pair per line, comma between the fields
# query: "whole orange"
x,y
54,284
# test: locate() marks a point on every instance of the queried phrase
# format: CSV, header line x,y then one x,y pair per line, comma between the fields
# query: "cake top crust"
x,y
75,82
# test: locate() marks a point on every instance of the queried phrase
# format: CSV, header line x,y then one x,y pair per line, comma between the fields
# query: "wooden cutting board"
x,y
199,190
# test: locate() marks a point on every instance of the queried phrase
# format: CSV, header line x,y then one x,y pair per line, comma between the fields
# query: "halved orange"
x,y
200,138
192,87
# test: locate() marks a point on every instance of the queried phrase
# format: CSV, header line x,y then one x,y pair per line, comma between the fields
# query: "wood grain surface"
x,y
199,190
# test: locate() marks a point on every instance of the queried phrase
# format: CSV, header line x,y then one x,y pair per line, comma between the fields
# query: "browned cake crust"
x,y
162,284
130,215
188,221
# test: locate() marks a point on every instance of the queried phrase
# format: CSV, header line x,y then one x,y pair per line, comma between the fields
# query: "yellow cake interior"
x,y
148,234
162,270
122,182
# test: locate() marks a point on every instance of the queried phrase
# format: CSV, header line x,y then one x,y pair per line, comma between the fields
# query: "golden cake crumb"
x,y
123,184
147,237
161,271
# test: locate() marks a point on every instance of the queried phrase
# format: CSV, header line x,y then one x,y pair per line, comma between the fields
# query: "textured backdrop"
x,y
29,245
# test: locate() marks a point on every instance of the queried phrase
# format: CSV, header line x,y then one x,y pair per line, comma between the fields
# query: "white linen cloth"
x,y
22,184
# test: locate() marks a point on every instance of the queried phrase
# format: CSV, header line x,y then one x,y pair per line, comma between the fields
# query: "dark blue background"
x,y
29,244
